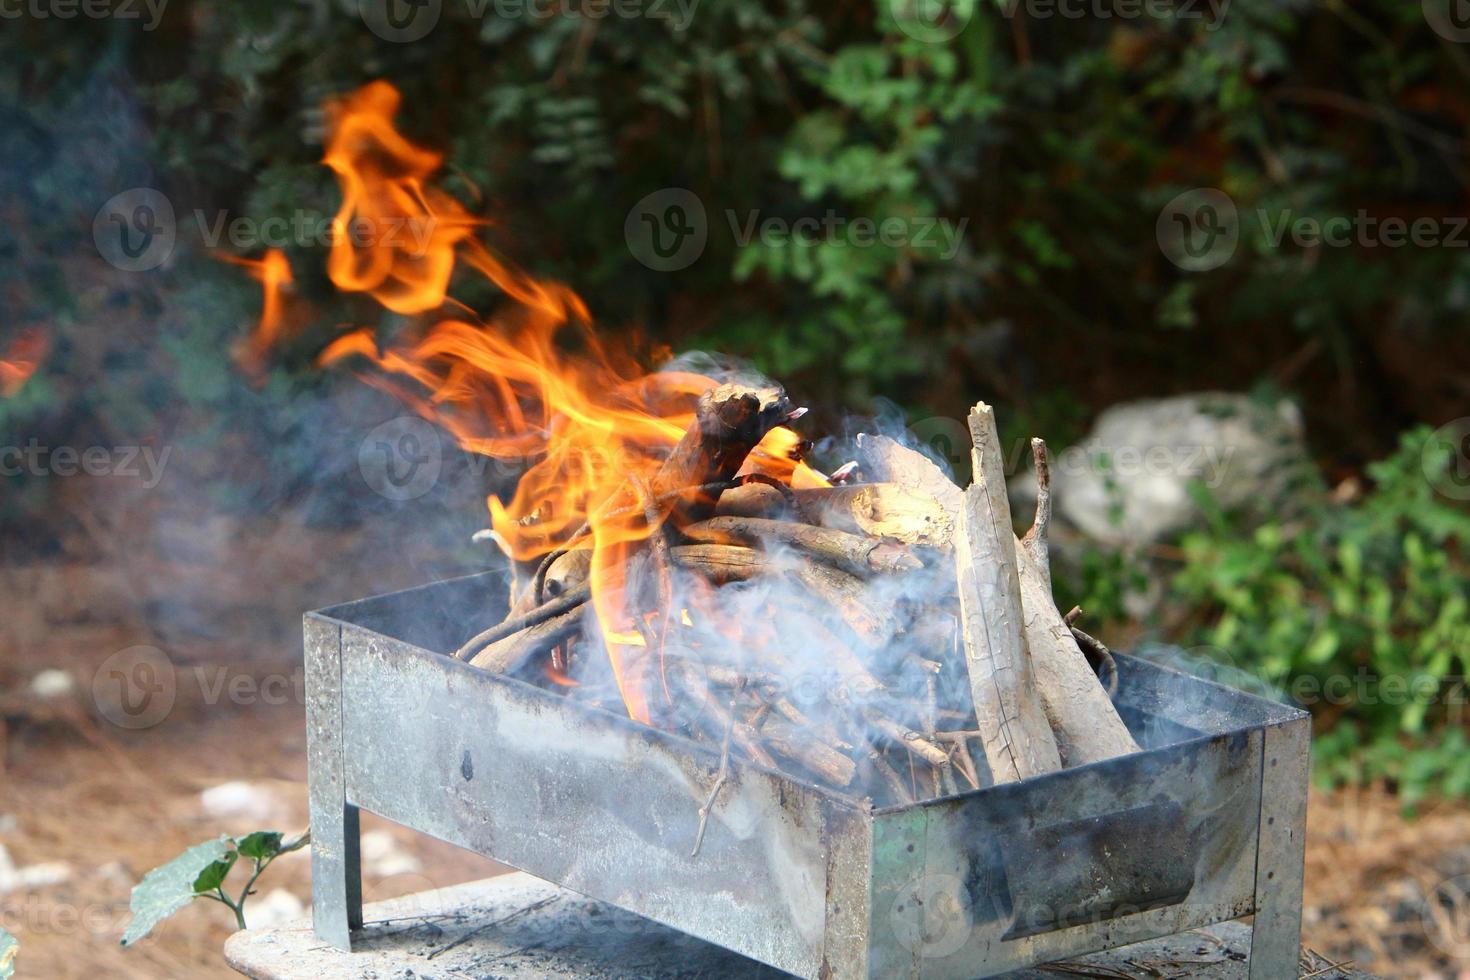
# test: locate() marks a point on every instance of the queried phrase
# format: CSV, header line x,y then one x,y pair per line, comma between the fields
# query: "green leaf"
x,y
169,887
213,876
9,946
260,845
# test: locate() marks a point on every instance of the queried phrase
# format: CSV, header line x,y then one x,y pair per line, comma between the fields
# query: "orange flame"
x,y
273,272
21,361
532,386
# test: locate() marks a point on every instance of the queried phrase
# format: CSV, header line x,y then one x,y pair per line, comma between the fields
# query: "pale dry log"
x,y
1087,726
884,510
887,460
855,553
1016,735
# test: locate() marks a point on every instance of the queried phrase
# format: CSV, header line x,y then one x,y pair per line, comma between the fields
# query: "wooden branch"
x,y
911,741
885,510
790,742
506,655
729,422
1081,714
1034,543
854,553
566,602
1016,735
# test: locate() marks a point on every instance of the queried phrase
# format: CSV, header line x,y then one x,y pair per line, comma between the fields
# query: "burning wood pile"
x,y
882,633
879,631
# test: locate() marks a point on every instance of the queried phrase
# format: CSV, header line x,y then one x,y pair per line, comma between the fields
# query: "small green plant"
x,y
200,872
9,946
1361,612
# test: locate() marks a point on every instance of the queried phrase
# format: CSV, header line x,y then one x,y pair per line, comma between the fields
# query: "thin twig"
x,y
720,776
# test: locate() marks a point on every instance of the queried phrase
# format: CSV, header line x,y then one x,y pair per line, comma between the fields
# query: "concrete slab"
x,y
515,926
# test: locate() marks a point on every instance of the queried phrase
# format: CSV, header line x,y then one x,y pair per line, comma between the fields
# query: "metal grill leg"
x,y
1276,940
336,875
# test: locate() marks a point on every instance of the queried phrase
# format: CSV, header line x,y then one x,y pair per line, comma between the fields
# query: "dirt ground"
x,y
87,806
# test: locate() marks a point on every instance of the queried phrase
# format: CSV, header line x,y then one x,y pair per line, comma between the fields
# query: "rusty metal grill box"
x,y
1206,824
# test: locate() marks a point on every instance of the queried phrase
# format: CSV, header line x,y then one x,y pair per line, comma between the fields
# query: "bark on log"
x,y
1016,734
858,554
884,510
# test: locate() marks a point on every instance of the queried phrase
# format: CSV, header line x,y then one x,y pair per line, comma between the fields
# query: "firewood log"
x,y
753,500
1082,715
884,510
1015,732
802,746
506,655
855,553
1077,706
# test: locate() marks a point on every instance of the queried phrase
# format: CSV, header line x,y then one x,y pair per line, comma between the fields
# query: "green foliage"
x,y
9,948
200,872
1360,611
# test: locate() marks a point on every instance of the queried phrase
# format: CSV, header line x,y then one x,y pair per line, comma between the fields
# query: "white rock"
x,y
242,800
273,908
32,876
53,683
1128,482
383,856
